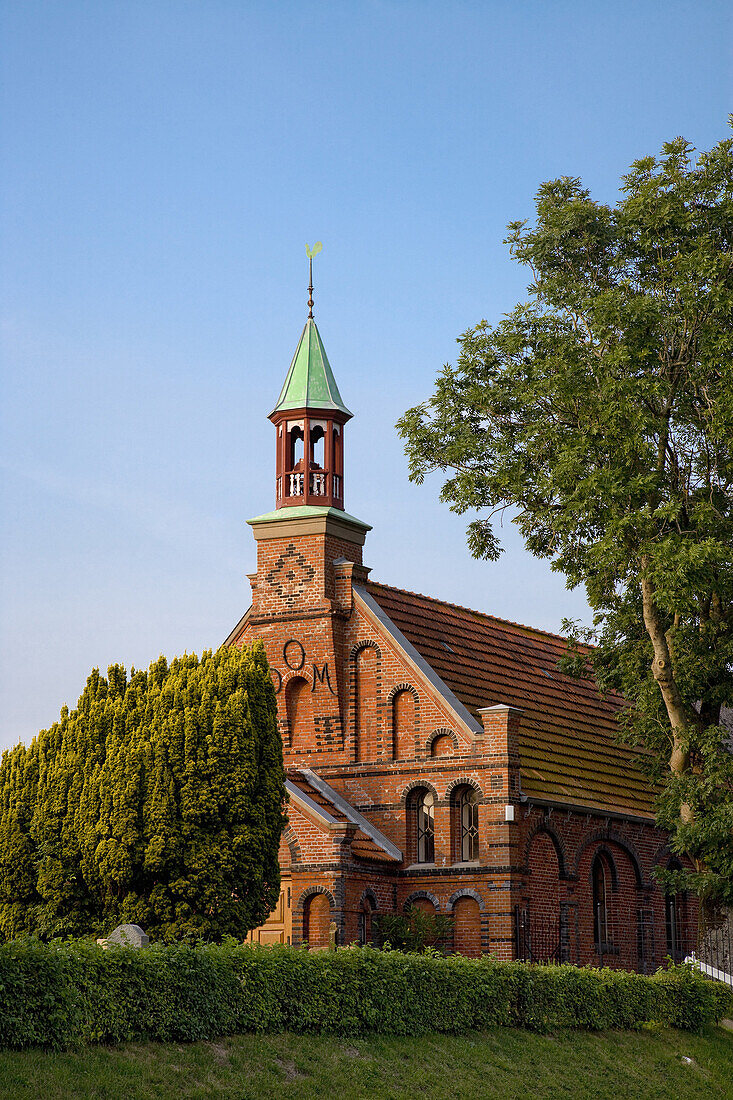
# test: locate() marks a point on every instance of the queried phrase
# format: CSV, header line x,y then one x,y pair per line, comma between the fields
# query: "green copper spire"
x,y
310,383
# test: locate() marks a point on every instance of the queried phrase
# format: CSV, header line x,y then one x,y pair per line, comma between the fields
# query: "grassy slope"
x,y
503,1063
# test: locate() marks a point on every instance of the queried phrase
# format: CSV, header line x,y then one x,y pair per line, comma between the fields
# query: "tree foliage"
x,y
158,801
600,412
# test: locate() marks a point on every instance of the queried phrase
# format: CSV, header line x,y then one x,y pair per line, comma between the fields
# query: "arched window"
x,y
337,464
296,447
464,830
421,809
366,909
675,906
318,443
337,449
600,903
467,807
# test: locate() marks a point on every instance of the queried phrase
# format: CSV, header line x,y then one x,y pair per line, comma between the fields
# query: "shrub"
x,y
63,994
413,931
158,801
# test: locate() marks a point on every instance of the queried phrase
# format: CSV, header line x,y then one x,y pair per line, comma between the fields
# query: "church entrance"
x,y
278,928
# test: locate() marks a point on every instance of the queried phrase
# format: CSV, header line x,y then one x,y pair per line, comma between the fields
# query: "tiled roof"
x,y
362,846
568,748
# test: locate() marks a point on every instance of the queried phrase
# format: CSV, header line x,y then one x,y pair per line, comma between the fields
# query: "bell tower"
x,y
309,420
309,553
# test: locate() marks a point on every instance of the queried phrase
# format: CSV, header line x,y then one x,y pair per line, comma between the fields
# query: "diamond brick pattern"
x,y
290,575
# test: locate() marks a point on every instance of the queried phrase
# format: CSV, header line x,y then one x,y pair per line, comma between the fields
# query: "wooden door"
x,y
278,928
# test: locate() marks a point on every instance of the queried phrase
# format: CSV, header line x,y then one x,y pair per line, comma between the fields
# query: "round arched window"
x,y
425,811
468,822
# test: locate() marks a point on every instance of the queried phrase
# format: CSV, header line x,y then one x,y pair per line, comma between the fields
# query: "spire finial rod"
x,y
310,253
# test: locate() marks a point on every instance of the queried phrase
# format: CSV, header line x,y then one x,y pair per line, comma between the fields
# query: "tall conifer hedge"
x,y
158,801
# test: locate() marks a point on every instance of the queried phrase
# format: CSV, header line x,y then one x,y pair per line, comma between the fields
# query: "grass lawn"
x,y
503,1063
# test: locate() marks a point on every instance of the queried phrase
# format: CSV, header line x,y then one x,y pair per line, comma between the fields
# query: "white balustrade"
x,y
296,485
318,485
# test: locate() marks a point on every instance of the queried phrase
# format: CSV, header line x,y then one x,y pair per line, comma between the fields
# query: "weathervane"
x,y
310,253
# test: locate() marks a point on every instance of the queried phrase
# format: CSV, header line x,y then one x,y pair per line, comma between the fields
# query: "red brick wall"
x,y
403,725
467,927
365,691
543,879
370,738
316,921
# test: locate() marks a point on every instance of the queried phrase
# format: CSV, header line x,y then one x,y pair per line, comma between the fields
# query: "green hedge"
x,y
64,994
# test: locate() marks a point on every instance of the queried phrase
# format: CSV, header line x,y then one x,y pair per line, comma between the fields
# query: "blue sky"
x,y
164,165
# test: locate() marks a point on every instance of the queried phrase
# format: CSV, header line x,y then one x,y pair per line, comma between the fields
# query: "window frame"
x,y
599,884
424,804
468,830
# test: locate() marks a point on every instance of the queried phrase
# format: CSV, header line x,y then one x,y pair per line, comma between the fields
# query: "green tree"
x,y
600,413
158,800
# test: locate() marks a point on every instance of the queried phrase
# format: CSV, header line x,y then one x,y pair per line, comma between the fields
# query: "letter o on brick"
x,y
294,655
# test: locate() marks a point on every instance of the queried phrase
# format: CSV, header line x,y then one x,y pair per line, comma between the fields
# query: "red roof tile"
x,y
568,748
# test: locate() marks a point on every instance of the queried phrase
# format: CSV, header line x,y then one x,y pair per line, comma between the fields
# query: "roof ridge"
x,y
473,610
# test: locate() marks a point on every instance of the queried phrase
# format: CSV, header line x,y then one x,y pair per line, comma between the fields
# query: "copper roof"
x,y
310,383
569,752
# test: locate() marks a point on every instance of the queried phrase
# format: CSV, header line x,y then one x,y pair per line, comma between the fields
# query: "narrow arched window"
x,y
674,913
365,922
296,447
318,453
425,813
600,903
468,819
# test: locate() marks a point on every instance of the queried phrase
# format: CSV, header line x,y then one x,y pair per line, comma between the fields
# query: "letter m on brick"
x,y
320,676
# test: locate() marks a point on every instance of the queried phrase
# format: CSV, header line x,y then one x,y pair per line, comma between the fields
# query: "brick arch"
x,y
369,895
466,893
466,913
611,837
365,674
310,892
298,710
463,781
664,852
605,851
422,895
414,785
292,842
403,687
556,843
442,731
367,643
315,918
293,674
403,709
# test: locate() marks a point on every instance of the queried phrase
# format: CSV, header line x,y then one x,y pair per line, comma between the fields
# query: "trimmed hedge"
x,y
62,995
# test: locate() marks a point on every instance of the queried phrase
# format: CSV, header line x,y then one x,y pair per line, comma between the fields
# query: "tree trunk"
x,y
681,719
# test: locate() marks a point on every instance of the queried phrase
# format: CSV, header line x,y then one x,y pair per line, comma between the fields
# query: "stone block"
x,y
128,935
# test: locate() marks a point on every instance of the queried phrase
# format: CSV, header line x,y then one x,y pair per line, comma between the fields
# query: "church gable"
x,y
567,735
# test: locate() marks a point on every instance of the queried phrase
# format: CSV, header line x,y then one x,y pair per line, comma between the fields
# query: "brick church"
x,y
436,756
